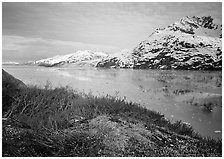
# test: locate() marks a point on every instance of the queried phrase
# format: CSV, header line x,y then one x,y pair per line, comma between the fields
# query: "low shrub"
x,y
46,114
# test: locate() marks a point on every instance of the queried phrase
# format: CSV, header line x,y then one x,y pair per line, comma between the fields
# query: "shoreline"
x,y
59,116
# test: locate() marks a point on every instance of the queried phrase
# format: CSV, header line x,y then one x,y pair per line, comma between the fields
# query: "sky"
x,y
33,31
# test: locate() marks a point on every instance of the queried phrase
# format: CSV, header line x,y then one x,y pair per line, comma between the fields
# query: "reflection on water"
x,y
150,88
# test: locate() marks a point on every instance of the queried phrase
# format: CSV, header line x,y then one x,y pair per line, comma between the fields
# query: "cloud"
x,y
32,48
20,42
16,43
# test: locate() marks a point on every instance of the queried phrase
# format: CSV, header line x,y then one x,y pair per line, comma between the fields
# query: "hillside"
x,y
62,122
192,43
10,87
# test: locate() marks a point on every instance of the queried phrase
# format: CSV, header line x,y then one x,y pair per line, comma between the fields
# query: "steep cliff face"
x,y
191,43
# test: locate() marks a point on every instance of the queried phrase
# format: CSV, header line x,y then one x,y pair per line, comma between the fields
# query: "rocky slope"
x,y
191,43
86,57
123,59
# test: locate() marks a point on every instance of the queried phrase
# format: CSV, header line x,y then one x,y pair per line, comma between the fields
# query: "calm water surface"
x,y
141,86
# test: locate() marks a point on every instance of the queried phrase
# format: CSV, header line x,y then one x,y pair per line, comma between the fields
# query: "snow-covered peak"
x,y
78,56
55,59
190,39
10,63
197,26
86,55
190,43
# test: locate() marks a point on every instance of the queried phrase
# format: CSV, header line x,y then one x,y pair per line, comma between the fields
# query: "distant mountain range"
x,y
10,63
86,57
192,43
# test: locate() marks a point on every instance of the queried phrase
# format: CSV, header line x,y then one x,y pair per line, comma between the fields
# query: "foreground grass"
x,y
63,122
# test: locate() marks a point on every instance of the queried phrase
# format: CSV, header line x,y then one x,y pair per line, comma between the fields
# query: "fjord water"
x,y
141,86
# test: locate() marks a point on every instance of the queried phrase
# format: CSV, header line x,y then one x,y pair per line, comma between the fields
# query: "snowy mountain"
x,y
191,43
122,59
10,63
86,57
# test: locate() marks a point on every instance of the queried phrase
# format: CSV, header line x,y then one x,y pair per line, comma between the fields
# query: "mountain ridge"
x,y
182,45
79,56
193,43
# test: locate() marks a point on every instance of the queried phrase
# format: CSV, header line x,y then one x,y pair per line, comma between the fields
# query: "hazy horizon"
x,y
32,31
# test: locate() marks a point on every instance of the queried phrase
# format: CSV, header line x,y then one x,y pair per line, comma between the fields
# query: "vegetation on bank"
x,y
64,122
10,87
